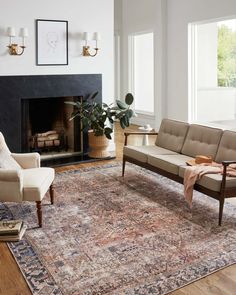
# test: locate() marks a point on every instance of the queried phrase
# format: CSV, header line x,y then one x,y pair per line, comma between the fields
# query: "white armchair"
x,y
22,178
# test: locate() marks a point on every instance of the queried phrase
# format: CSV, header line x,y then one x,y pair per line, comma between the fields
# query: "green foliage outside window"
x,y
226,57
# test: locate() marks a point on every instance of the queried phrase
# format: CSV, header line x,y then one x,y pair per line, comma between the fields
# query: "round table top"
x,y
145,129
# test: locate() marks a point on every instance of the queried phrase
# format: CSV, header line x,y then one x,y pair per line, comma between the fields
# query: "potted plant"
x,y
98,120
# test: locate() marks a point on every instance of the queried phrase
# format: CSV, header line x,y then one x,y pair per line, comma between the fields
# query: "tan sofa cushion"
x,y
212,181
201,140
141,153
227,147
172,134
169,163
36,182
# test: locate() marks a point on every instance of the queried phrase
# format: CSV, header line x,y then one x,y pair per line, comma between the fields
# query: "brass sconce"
x,y
13,48
86,48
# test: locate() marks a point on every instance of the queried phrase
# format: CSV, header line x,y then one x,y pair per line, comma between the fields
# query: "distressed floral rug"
x,y
109,235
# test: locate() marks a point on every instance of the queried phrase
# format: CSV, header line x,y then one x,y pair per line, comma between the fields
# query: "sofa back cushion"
x,y
172,134
227,147
202,140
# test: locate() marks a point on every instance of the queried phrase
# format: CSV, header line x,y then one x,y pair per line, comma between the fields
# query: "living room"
x,y
104,233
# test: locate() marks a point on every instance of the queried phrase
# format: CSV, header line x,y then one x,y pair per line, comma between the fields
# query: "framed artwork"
x,y
51,42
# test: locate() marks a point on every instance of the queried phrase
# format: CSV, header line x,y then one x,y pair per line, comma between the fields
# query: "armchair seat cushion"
x,y
212,181
36,182
141,153
169,163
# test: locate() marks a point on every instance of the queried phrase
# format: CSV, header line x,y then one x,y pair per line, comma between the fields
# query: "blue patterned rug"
x,y
109,235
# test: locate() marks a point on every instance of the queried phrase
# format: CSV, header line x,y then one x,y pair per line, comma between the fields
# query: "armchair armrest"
x,y
11,185
138,133
10,175
27,160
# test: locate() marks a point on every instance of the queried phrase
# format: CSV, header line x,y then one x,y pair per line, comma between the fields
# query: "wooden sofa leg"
x,y
123,167
39,212
221,210
52,193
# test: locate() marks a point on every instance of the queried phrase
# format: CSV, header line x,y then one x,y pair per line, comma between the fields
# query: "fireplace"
x,y
46,127
26,101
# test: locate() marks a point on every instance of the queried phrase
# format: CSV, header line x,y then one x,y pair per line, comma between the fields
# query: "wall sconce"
x,y
86,37
15,49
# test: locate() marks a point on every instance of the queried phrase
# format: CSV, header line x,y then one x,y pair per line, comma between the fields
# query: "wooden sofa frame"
x,y
220,196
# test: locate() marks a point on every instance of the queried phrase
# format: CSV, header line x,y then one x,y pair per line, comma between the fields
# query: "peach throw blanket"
x,y
194,173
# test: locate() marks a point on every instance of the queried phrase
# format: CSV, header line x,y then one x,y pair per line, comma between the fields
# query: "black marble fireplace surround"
x,y
13,89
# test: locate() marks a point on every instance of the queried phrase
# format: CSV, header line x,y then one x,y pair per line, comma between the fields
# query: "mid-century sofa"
x,y
178,142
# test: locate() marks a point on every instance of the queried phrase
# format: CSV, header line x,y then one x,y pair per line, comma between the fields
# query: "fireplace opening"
x,y
46,127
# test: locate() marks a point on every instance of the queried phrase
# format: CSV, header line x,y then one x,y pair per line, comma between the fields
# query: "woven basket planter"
x,y
98,146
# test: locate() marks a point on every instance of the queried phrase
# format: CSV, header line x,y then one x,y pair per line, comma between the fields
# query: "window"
x,y
213,72
142,55
227,53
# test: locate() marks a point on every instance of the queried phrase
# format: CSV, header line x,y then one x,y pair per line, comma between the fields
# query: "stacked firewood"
x,y
46,139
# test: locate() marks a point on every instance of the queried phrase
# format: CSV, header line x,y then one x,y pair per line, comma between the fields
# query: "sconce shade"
x,y
86,36
14,48
86,48
24,32
11,32
96,36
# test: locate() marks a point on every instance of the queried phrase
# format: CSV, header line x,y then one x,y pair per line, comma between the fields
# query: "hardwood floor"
x,y
12,282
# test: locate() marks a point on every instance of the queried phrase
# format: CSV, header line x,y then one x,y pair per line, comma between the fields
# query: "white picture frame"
x,y
51,42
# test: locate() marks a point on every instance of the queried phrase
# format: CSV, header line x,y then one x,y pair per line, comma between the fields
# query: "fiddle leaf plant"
x,y
100,117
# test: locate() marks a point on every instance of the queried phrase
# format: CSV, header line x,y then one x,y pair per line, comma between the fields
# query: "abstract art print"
x,y
51,42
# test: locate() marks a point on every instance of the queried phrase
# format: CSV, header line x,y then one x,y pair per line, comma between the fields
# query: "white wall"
x,y
82,16
140,16
169,20
180,13
216,104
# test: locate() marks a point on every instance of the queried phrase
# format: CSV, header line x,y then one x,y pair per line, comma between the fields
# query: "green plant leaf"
x,y
122,105
85,122
104,117
129,99
115,108
74,115
120,115
70,102
98,132
122,124
92,95
126,120
107,132
130,113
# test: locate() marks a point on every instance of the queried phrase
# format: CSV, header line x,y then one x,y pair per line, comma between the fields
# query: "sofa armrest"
x,y
11,185
227,163
138,133
224,174
27,160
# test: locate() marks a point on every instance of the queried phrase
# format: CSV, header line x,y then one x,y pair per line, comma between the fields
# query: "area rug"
x,y
112,235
